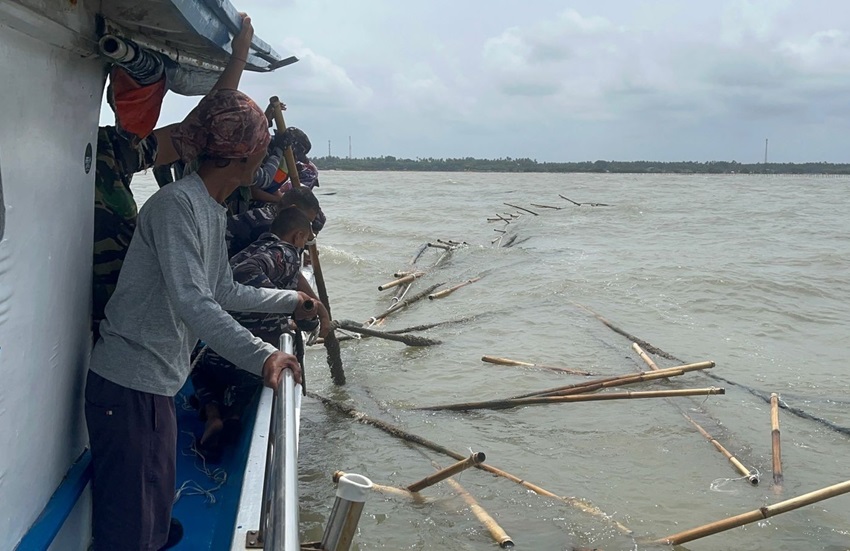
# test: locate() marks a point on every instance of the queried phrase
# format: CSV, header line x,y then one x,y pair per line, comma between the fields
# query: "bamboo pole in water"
x,y
450,290
507,404
520,208
400,433
644,356
409,340
774,436
505,361
400,281
618,380
496,532
752,477
408,301
474,459
756,515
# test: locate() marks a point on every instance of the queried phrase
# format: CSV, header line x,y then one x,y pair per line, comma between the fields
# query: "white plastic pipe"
x,y
351,493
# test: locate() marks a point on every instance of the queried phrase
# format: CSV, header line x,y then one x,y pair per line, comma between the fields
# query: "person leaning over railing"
x,y
174,288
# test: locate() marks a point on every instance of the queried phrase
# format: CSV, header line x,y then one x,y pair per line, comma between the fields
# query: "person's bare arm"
x,y
304,287
229,79
165,151
265,196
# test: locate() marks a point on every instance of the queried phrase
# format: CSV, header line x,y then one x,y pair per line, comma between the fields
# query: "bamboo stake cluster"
x,y
397,432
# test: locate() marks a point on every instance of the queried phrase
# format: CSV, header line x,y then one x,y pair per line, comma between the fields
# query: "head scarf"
x,y
226,124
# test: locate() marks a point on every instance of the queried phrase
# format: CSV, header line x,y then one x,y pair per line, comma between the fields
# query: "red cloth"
x,y
137,107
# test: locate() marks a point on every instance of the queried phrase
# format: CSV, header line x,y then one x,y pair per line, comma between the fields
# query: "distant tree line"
x,y
469,164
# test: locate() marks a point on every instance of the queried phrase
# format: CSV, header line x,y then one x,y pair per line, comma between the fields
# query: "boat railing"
x,y
279,512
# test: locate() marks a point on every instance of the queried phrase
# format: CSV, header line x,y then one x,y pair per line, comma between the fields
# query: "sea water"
x,y
748,271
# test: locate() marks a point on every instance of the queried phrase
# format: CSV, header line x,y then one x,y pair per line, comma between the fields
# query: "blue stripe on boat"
x,y
44,530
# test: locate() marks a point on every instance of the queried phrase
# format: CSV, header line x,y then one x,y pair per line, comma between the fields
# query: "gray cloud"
x,y
607,80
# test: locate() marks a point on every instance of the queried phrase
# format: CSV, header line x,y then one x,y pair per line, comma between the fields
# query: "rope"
x,y
193,488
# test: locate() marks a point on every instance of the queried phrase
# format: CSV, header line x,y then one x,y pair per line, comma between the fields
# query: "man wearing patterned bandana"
x,y
175,287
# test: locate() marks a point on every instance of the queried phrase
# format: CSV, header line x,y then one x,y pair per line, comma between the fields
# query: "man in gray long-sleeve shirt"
x,y
174,286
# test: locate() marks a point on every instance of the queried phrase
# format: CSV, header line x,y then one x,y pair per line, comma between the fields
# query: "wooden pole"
x,y
407,302
506,361
774,434
474,459
496,532
409,340
450,290
618,380
400,281
331,342
756,515
400,433
644,356
546,206
752,477
520,208
507,404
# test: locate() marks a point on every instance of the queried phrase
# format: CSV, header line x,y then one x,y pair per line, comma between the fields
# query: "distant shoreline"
x,y
469,164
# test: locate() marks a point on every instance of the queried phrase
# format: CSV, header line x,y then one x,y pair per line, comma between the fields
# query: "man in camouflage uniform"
x,y
222,390
243,229
114,207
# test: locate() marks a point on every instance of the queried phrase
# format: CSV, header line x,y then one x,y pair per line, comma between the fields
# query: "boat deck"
x,y
208,524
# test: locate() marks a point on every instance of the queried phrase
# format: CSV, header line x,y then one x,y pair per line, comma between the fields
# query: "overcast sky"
x,y
561,80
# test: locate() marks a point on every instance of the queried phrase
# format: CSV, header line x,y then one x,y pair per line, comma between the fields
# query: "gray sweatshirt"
x,y
174,288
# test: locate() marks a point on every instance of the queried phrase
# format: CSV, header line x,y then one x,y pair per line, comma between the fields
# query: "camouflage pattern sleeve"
x,y
243,229
264,178
114,208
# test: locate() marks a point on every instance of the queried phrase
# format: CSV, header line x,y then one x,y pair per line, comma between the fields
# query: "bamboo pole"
x,y
409,340
506,361
774,436
400,281
570,200
756,515
496,532
331,343
644,356
443,246
752,477
388,490
474,459
629,395
617,380
450,290
397,432
546,206
407,302
520,208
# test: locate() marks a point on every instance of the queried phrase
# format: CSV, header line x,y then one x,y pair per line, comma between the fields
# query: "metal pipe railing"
x,y
279,511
